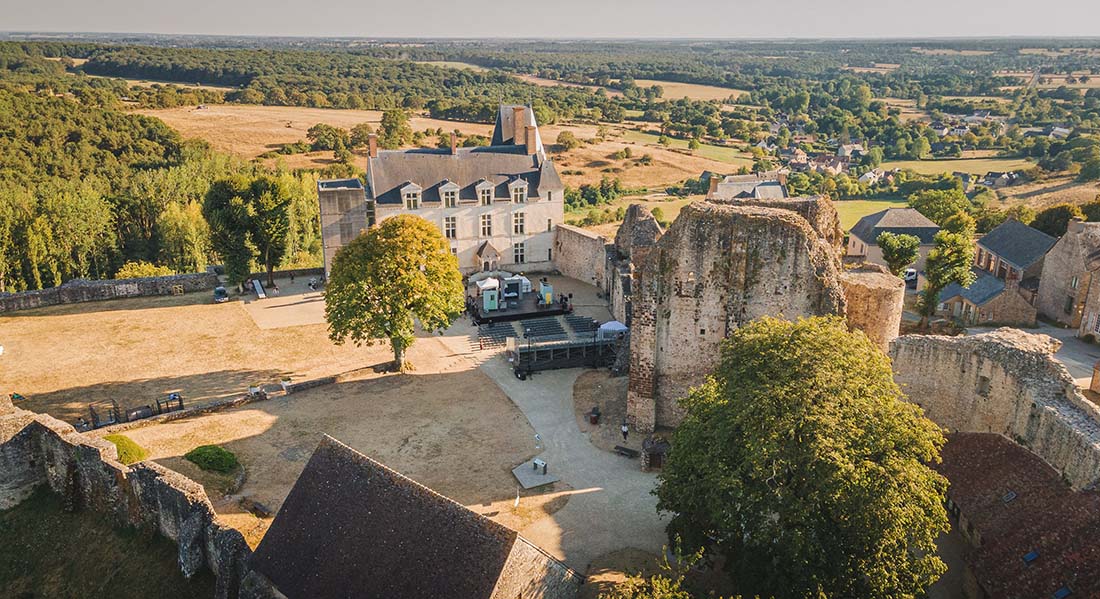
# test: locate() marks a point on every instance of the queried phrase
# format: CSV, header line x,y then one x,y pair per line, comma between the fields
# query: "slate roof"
x,y
504,129
1044,515
898,221
1016,243
329,184
749,186
352,527
984,288
430,168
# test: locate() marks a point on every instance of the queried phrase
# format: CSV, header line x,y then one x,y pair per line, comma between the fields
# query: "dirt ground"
x,y
137,350
1056,190
598,388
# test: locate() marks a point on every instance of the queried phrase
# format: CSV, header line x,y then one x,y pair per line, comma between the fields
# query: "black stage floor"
x,y
528,307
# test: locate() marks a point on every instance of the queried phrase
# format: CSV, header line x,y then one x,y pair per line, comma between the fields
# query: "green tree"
x,y
948,261
360,135
567,141
939,204
801,463
1090,171
395,131
184,236
270,199
229,214
1091,210
140,269
899,251
394,274
961,222
1055,220
326,137
693,144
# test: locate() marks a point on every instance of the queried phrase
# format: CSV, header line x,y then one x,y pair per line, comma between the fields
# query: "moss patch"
x,y
129,452
213,457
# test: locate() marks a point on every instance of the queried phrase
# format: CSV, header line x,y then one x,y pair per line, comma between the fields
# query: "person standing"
x,y
625,430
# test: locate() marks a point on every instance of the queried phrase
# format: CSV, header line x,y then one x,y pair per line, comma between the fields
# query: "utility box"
x,y
490,300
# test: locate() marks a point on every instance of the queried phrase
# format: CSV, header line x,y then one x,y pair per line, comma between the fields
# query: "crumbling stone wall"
x,y
580,254
817,210
1006,382
36,449
718,267
81,290
637,236
874,298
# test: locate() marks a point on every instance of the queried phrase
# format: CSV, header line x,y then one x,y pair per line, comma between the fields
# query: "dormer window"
x,y
449,192
484,192
410,193
518,188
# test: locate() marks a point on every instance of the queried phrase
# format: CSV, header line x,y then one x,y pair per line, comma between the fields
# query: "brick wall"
x,y
81,290
580,254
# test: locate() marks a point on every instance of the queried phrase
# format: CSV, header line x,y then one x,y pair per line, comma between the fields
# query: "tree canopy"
x,y
396,273
898,250
802,464
949,261
1055,220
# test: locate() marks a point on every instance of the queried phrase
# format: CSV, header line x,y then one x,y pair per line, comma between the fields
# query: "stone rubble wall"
x,y
819,211
716,268
81,290
875,298
580,254
1006,382
37,449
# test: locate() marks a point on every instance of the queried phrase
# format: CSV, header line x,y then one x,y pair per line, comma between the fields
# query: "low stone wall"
x,y
82,290
36,450
285,274
580,254
1006,382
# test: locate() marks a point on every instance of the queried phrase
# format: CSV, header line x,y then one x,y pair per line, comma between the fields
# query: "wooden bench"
x,y
627,452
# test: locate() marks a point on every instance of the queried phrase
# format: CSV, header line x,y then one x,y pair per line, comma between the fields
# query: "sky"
x,y
722,19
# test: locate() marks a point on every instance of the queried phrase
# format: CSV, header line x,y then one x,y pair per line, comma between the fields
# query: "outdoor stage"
x,y
520,309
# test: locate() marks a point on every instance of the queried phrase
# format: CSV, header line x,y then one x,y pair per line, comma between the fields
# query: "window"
x,y
454,251
1074,283
1068,307
549,225
486,225
412,200
486,196
518,226
550,255
450,227
450,199
519,194
549,196
518,253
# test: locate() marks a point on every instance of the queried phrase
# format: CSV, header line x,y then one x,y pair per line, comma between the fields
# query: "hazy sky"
x,y
562,18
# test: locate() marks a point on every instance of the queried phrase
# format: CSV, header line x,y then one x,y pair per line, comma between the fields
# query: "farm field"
x,y
850,211
670,209
675,91
727,154
978,166
554,83
908,108
452,64
1056,190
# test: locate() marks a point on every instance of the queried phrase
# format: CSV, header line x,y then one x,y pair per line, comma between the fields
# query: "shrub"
x,y
128,451
212,457
139,269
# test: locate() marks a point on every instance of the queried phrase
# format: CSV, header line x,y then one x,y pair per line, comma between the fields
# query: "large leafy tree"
x,y
939,204
249,218
1055,220
395,131
949,261
802,464
898,250
397,273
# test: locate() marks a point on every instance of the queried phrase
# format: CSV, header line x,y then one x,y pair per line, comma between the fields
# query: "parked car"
x,y
910,278
220,295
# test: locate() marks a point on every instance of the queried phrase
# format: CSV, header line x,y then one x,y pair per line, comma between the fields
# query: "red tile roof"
x,y
1046,516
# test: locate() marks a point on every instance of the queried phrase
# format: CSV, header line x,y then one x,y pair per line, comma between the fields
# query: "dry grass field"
x,y
674,90
452,64
1056,190
909,110
881,68
950,52
543,82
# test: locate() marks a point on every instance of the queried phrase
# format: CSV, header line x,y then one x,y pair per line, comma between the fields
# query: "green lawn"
x,y
976,166
719,153
851,211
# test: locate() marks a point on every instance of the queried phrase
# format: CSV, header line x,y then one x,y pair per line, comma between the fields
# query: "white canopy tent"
x,y
611,329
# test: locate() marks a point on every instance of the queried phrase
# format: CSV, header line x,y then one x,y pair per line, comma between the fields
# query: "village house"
x,y
965,178
1067,277
496,205
771,185
996,179
987,300
852,151
829,165
872,176
862,241
940,128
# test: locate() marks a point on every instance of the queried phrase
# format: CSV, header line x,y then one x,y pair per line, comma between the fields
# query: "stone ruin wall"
x,y
36,450
1006,382
637,236
716,268
817,210
580,254
875,299
80,290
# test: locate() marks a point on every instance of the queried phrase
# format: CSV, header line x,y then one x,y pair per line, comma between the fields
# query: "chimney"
x,y
529,135
1076,225
518,123
372,145
454,143
712,182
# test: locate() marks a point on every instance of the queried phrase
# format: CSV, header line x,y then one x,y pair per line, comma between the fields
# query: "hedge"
x,y
212,457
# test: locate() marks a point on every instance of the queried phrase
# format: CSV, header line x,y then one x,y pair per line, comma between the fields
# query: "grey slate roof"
x,y
984,288
1016,243
749,186
329,184
352,527
428,168
898,221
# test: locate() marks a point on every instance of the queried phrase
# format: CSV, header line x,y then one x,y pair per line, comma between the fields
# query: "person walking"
x,y
625,430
